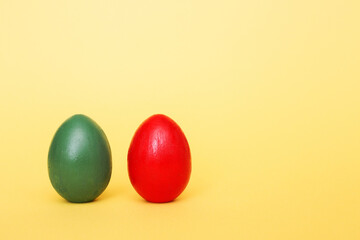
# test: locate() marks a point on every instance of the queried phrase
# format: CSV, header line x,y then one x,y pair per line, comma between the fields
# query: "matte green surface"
x,y
79,160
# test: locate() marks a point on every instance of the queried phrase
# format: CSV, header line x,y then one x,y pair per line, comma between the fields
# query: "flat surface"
x,y
267,93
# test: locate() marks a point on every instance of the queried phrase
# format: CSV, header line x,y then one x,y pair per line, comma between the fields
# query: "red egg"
x,y
159,160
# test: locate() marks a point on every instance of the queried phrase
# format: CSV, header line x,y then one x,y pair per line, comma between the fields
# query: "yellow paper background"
x,y
267,93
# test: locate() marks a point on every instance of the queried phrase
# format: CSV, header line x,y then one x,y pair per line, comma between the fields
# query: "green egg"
x,y
79,160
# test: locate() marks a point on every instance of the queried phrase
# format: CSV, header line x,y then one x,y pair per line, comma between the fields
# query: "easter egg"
x,y
159,160
79,160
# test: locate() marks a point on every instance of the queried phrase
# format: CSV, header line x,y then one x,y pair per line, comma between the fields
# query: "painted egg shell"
x,y
159,161
79,160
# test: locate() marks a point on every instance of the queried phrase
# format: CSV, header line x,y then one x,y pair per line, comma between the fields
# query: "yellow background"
x,y
267,93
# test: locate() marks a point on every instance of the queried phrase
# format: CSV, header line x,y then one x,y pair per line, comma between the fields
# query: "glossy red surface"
x,y
159,160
